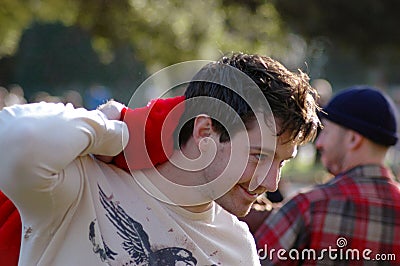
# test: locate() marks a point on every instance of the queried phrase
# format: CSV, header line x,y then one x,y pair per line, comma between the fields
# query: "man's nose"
x,y
271,178
318,142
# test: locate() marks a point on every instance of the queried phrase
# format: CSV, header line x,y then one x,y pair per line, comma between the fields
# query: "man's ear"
x,y
355,140
202,127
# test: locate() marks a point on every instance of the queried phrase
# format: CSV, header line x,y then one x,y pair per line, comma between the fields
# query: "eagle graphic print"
x,y
135,240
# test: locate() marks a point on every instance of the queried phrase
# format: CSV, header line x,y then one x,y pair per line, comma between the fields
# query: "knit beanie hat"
x,y
365,110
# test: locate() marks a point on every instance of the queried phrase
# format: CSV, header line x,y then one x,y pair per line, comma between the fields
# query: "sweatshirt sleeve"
x,y
37,141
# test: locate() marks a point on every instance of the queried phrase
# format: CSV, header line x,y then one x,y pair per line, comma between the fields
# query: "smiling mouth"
x,y
250,193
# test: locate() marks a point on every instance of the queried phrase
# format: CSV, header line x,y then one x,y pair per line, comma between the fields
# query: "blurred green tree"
x,y
52,57
360,25
360,36
161,32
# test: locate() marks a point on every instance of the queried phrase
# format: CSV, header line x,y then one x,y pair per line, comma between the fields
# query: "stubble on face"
x,y
332,147
233,165
239,199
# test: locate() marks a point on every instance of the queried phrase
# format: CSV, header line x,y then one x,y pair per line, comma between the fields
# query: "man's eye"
x,y
261,157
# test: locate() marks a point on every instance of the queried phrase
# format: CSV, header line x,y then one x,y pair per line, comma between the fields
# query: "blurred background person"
x,y
359,208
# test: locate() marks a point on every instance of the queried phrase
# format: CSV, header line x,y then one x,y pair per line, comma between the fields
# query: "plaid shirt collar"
x,y
368,171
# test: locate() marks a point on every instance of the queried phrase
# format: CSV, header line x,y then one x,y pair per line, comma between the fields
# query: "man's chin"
x,y
242,214
238,213
239,208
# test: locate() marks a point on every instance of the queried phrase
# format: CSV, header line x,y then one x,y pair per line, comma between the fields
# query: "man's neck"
x,y
198,208
363,157
182,178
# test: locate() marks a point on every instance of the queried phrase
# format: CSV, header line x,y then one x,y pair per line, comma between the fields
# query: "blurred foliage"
x,y
14,18
52,57
331,36
367,27
161,32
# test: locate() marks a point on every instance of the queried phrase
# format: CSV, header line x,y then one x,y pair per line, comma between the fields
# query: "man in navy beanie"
x,y
354,219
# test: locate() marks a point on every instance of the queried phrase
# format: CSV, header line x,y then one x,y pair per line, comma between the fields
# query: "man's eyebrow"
x,y
270,151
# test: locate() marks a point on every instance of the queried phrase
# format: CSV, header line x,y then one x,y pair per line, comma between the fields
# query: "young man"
x,y
354,219
77,210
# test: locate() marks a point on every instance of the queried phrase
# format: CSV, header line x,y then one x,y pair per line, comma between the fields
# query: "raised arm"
x,y
37,141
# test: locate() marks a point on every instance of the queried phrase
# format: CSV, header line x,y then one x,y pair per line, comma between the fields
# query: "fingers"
x,y
112,109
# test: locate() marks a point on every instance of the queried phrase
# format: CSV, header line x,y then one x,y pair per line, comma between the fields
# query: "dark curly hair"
x,y
289,95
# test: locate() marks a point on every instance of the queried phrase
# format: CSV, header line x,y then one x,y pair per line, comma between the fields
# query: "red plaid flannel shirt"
x,y
354,219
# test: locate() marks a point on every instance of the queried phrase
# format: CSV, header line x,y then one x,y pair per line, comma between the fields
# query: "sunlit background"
x,y
88,51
